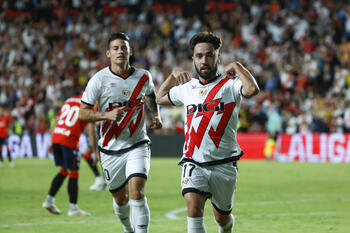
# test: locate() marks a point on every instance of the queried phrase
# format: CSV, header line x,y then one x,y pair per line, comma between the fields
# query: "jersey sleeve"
x,y
176,94
150,86
237,89
92,91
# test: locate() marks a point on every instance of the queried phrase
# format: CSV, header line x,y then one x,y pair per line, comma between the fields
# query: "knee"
x,y
222,220
121,198
195,210
63,171
195,204
137,194
73,174
137,189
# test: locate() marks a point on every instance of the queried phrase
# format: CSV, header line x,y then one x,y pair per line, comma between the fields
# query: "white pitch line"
x,y
172,214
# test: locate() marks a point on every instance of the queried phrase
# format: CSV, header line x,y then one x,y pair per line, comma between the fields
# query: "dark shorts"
x,y
66,157
3,141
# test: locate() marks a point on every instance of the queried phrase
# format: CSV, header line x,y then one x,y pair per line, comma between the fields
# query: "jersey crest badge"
x,y
203,92
126,93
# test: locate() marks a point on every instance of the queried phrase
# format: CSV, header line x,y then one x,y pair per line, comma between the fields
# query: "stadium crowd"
x,y
298,50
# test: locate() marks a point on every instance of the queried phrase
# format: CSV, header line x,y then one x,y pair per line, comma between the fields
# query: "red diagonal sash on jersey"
x,y
117,129
217,135
195,138
133,127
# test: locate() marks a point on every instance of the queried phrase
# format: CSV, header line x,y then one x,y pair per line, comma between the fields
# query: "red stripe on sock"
x,y
63,172
73,174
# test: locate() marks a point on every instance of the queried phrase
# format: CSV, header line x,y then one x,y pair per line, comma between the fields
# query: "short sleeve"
x,y
176,94
150,86
237,89
92,91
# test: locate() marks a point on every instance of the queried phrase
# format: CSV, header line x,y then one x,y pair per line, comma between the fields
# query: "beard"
x,y
208,75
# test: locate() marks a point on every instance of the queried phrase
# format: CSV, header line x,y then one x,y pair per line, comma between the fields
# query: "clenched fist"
x,y
116,114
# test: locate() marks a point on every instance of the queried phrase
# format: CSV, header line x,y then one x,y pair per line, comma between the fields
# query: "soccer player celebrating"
x,y
211,104
65,139
120,91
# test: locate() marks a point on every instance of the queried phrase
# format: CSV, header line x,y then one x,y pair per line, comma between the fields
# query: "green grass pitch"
x,y
271,197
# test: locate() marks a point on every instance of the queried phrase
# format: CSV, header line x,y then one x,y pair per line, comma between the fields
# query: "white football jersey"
x,y
211,116
113,91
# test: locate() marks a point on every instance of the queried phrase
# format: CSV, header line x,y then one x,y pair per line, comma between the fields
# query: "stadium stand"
x,y
298,50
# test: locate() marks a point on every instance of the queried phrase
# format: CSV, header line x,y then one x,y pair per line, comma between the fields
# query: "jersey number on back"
x,y
69,115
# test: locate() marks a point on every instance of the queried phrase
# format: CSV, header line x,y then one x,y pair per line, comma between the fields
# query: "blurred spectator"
x,y
274,121
299,51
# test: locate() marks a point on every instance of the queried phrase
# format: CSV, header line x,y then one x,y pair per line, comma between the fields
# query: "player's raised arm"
x,y
249,85
177,77
86,113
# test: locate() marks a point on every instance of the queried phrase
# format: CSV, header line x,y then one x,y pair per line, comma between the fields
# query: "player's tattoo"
x,y
92,115
102,114
151,102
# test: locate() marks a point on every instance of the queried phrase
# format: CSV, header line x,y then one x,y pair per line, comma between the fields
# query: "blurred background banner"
x,y
314,148
252,144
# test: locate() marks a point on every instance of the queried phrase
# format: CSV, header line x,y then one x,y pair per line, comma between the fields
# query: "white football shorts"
x,y
217,182
118,169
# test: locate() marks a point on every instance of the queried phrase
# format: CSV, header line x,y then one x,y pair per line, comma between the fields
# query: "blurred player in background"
x,y
65,138
211,104
5,126
121,91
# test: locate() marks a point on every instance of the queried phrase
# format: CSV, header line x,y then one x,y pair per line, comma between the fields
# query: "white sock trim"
x,y
123,214
73,206
195,225
140,202
140,215
50,199
117,207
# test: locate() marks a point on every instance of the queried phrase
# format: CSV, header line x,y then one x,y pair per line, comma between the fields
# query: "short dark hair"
x,y
206,37
118,35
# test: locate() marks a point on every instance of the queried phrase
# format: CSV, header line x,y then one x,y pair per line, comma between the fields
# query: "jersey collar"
x,y
132,70
210,81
